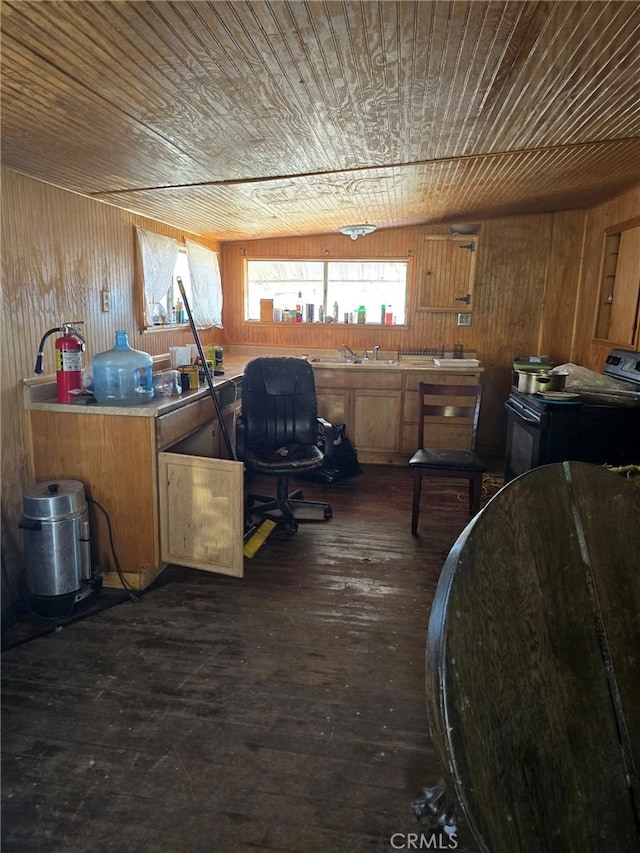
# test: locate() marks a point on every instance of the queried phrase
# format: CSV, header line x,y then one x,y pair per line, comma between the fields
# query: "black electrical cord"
x,y
116,562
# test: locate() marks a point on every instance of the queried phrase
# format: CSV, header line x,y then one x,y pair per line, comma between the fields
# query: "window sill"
x,y
164,327
317,323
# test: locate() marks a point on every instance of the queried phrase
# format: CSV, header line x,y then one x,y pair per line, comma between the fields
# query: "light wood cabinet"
x,y
380,409
201,512
377,421
369,402
618,317
160,477
334,404
448,274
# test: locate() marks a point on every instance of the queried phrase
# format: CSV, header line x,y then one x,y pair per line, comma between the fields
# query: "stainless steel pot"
x,y
532,381
57,547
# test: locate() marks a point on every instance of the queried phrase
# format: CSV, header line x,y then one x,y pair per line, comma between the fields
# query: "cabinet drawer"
x,y
351,377
374,380
413,379
172,427
332,378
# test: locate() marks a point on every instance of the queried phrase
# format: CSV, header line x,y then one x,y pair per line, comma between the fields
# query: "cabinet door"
x,y
201,512
623,319
447,273
333,405
377,419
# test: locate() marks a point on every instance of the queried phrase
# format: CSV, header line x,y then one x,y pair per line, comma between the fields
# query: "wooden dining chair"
x,y
443,402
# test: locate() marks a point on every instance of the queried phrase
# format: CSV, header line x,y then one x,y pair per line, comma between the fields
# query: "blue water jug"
x,y
122,376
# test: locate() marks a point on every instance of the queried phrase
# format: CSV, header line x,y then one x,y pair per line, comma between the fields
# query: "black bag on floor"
x,y
343,459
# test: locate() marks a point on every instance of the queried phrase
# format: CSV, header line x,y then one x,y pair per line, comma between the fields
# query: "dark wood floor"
x,y
281,712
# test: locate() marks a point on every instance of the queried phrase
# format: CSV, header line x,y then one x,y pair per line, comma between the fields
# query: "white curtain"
x,y
206,286
158,255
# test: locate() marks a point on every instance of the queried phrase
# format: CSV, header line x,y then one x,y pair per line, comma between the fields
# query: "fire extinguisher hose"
x,y
40,357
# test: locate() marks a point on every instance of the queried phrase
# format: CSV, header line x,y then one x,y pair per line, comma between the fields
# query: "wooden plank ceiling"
x,y
240,120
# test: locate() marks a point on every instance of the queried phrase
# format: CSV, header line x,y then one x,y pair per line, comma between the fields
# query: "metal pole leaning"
x,y
207,372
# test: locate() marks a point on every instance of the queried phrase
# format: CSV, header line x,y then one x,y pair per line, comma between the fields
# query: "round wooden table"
x,y
533,665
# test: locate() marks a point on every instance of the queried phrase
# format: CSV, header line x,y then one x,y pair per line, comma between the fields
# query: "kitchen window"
x,y
326,291
169,308
162,262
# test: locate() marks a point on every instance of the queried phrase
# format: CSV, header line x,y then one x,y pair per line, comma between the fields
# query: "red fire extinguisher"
x,y
69,349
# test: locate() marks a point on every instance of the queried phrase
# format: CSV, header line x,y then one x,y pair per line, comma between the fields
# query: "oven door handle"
x,y
517,411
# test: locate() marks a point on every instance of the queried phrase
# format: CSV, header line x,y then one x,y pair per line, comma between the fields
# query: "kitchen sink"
x,y
342,362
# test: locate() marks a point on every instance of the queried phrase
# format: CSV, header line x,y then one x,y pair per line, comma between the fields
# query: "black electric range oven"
x,y
602,426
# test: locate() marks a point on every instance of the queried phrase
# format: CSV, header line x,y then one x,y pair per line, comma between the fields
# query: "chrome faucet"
x,y
346,349
376,353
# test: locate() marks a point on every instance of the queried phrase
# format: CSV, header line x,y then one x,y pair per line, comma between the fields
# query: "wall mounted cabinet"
x,y
619,300
447,273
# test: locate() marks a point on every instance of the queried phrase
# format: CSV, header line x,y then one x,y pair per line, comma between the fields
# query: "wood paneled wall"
x,y
537,279
59,250
527,281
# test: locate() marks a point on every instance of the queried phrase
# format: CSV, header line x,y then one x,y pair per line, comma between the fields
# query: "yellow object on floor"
x,y
258,538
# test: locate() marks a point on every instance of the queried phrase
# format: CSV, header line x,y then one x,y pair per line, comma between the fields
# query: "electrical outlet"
x,y
464,319
105,296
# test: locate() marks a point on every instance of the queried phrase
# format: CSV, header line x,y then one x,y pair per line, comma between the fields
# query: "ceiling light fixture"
x,y
355,231
465,228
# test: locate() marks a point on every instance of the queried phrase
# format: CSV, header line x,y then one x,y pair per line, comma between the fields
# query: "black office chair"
x,y
277,434
447,401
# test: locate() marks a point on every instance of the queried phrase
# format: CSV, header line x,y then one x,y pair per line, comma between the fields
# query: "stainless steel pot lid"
x,y
54,499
